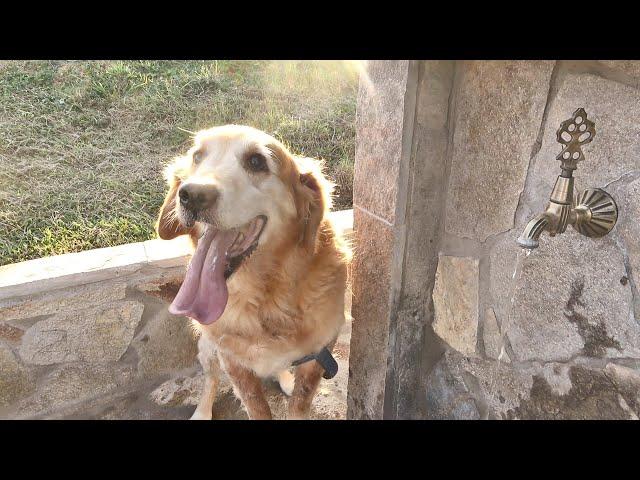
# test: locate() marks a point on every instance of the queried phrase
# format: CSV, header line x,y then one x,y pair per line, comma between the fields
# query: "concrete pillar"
x,y
399,200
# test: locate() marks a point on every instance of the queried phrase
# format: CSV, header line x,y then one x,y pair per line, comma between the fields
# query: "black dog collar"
x,y
325,359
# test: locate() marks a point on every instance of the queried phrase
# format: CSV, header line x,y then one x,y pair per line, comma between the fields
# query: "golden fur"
x,y
287,299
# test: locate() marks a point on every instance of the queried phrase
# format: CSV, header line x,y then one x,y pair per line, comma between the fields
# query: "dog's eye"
x,y
198,156
257,163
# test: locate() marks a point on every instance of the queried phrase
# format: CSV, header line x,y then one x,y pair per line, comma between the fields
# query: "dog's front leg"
x,y
209,361
248,388
307,379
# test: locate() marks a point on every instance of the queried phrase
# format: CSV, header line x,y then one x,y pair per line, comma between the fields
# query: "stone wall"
x,y
88,335
557,336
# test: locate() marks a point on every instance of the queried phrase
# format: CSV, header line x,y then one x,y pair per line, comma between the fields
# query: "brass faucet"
x,y
592,213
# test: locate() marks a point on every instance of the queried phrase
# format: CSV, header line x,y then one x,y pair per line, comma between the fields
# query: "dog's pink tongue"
x,y
203,294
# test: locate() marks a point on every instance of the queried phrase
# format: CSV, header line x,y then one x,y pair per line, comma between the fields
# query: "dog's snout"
x,y
197,197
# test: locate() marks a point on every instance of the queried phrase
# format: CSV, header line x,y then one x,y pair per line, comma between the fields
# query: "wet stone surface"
x,y
533,391
569,300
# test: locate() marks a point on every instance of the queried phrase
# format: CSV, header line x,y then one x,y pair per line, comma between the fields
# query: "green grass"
x,y
83,144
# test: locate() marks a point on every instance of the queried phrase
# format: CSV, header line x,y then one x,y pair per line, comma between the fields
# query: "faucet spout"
x,y
533,230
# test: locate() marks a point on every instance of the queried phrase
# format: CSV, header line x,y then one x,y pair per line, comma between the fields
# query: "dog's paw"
x,y
286,379
198,415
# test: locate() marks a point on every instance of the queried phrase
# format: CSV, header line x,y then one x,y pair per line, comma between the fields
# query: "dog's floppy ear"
x,y
168,226
310,209
312,194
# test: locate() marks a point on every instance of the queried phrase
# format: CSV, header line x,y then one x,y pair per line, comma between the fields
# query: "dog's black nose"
x,y
197,197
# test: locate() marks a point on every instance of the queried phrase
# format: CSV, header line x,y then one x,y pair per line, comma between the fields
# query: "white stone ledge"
x,y
71,269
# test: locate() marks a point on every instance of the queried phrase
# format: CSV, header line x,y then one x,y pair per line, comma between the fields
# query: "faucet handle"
x,y
573,133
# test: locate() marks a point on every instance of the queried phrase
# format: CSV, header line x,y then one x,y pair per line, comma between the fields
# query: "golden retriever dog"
x,y
265,286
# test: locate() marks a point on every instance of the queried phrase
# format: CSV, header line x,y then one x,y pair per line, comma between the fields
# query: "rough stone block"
x,y
589,395
15,380
10,334
568,301
65,300
72,385
100,334
627,382
498,112
163,286
627,197
629,67
166,343
370,311
493,385
536,391
615,149
448,398
380,124
455,300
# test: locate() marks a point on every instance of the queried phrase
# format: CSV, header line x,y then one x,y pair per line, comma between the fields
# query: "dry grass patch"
x,y
82,144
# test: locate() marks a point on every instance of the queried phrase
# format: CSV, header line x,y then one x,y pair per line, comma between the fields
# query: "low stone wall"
x,y
88,335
